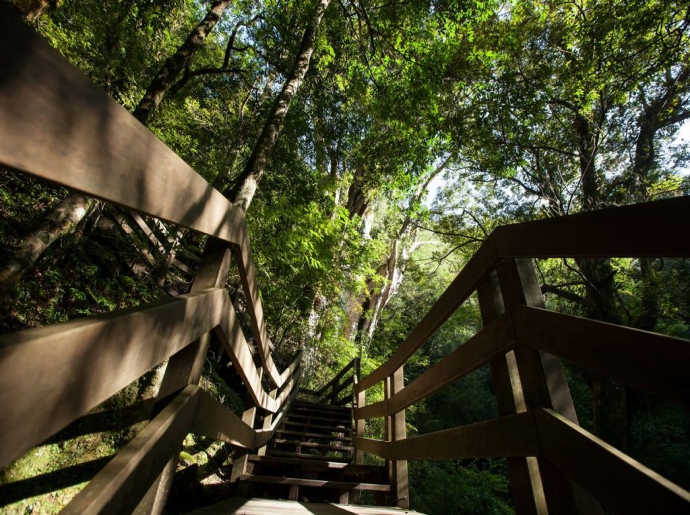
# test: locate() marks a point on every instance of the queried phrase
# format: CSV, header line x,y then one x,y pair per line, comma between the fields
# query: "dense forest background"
x,y
374,144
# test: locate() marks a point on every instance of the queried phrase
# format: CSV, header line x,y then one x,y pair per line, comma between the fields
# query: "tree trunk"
x,y
392,271
245,188
62,220
177,62
68,213
31,10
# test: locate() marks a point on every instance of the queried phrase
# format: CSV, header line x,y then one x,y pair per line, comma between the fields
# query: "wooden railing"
x,y
554,465
55,124
339,391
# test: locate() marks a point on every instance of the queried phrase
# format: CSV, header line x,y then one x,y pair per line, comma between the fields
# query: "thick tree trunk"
x,y
68,213
62,220
609,400
392,271
177,62
31,10
245,188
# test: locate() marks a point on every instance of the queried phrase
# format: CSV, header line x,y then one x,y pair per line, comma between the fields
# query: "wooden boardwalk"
x,y
241,506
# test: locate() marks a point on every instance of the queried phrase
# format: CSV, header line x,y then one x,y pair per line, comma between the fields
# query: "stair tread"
x,y
333,428
313,435
309,456
314,445
313,465
335,417
349,485
317,406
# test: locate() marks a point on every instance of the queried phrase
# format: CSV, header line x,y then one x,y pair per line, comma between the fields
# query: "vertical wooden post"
x,y
525,482
239,465
358,401
544,386
398,431
185,368
268,420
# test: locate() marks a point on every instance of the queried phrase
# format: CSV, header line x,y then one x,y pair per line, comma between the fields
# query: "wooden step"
x,y
341,485
316,465
241,506
309,456
334,429
313,435
313,445
322,407
334,418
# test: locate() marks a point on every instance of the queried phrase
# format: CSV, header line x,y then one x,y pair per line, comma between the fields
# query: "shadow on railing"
x,y
58,126
554,465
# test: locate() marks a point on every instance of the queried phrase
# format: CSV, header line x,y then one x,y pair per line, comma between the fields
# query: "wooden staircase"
x,y
310,459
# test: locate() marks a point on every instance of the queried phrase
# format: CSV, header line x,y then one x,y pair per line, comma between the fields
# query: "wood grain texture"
x,y
509,436
58,125
621,352
122,483
641,230
52,375
618,481
216,421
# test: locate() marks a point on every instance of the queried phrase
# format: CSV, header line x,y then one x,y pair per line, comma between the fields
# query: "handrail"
x,y
58,126
106,153
330,391
580,235
522,342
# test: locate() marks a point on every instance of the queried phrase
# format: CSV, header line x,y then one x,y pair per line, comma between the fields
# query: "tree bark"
x,y
31,10
177,62
62,220
245,188
392,271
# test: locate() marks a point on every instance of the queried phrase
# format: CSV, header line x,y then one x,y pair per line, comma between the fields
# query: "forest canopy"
x,y
374,145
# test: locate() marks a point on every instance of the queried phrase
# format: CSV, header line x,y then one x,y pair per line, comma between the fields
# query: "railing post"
x,y
525,482
185,368
544,386
239,465
398,431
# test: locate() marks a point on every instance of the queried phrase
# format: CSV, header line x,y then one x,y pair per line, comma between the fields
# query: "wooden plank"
x,y
510,436
459,290
240,506
314,435
214,420
263,436
525,482
316,483
399,479
312,445
52,375
88,142
245,265
348,382
544,385
618,481
230,334
620,352
337,377
126,478
493,341
640,230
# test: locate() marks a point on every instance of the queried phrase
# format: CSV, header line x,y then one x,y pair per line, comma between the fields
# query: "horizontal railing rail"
x,y
522,342
330,392
71,133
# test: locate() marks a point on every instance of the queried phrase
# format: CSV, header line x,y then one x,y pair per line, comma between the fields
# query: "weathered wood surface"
x,y
240,506
59,126
216,421
122,483
620,352
641,230
618,481
52,375
513,435
525,481
316,483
